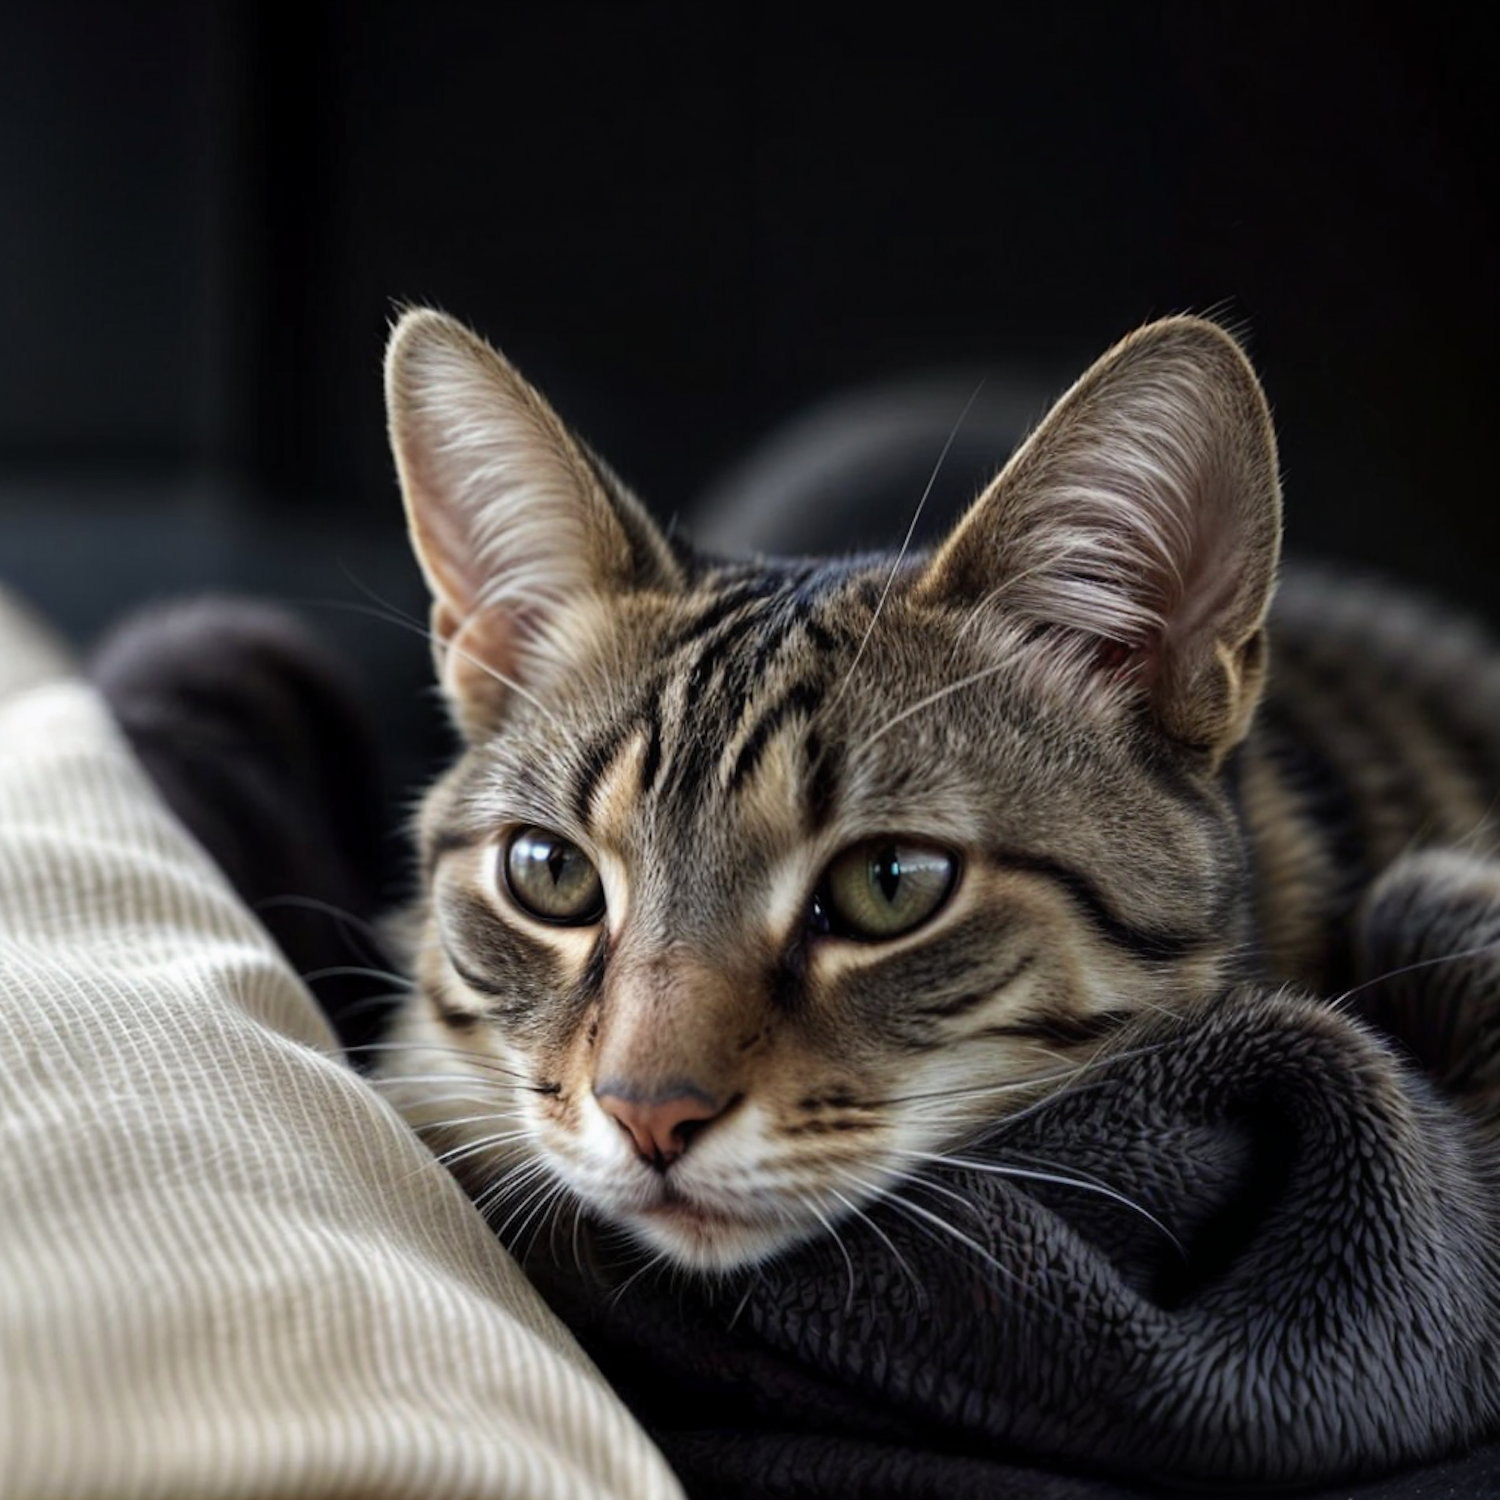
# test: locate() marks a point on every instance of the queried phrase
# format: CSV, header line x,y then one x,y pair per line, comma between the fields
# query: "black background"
x,y
687,222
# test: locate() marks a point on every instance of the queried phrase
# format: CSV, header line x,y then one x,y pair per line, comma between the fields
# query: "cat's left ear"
x,y
1138,530
516,527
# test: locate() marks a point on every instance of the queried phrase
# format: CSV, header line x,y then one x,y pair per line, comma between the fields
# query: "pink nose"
x,y
661,1127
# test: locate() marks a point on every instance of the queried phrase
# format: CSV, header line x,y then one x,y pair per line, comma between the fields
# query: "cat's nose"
x,y
661,1124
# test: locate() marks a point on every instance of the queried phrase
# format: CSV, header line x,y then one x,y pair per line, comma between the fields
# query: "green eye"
x,y
553,879
884,887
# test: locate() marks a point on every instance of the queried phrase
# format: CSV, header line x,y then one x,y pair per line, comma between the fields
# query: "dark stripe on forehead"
x,y
719,684
651,760
596,761
698,741
1153,945
738,639
770,600
718,611
821,637
775,625
720,649
822,780
802,698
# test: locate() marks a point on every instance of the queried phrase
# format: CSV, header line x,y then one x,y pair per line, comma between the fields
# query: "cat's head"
x,y
757,882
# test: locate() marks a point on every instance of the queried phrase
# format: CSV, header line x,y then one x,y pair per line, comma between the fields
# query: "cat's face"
x,y
758,883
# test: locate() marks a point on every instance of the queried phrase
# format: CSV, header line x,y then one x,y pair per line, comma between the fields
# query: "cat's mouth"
x,y
705,1235
677,1202
674,1206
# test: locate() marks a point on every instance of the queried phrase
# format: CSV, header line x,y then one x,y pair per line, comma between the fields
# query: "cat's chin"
x,y
707,1240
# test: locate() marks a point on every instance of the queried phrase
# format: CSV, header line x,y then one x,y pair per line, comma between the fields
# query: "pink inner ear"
x,y
477,668
1212,576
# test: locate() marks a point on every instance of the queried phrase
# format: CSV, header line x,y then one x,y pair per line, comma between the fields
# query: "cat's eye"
x,y
553,878
884,887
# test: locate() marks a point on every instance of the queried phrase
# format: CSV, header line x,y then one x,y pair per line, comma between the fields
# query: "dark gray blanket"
x,y
1275,1261
1303,1286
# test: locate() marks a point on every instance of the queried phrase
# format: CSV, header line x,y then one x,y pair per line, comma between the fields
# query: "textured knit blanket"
x,y
1254,1248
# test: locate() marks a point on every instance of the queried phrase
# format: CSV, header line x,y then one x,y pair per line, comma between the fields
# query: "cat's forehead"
x,y
774,700
780,672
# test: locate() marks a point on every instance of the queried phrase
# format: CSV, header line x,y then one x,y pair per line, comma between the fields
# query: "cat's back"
x,y
1379,733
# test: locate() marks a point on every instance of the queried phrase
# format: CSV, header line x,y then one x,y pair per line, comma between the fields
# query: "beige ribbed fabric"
x,y
226,1267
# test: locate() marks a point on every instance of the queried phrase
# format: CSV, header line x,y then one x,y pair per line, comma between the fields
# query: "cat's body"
x,y
1378,738
768,897
758,882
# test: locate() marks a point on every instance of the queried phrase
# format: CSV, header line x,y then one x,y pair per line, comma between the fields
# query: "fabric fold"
x,y
1250,1249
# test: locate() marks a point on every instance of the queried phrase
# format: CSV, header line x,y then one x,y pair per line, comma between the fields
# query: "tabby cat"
x,y
756,878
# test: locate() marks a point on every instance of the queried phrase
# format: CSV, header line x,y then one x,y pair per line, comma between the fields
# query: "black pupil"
x,y
887,870
557,862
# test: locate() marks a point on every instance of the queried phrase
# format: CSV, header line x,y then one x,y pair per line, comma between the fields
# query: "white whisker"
x,y
390,617
654,1260
809,1202
943,692
345,919
458,1120
852,1207
911,531
1057,1178
1340,1002
356,971
540,1188
532,1170
543,1211
479,1147
928,1221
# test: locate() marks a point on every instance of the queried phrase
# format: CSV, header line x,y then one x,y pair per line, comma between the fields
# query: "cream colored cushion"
x,y
226,1266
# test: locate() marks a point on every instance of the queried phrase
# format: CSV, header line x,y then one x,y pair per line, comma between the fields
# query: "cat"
x,y
754,881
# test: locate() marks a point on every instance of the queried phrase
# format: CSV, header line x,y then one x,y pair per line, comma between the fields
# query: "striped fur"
x,y
1379,737
1063,697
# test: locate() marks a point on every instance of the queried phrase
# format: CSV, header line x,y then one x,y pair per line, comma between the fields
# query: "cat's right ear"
x,y
1137,532
516,527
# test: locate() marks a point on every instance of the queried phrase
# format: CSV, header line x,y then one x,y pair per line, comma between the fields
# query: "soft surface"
x,y
1305,1289
226,1267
